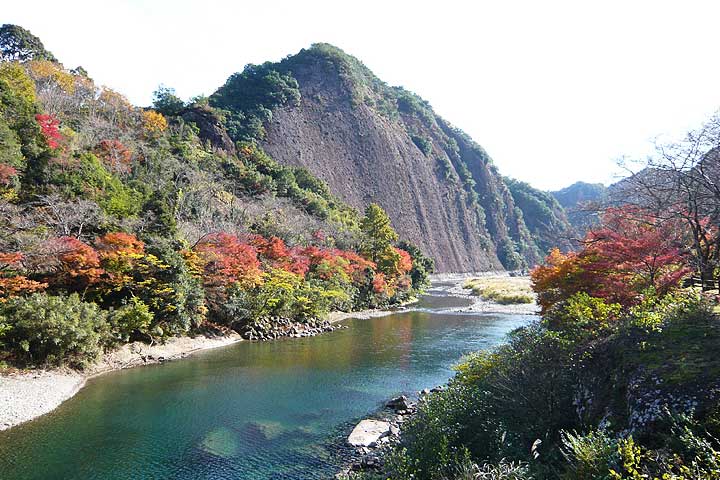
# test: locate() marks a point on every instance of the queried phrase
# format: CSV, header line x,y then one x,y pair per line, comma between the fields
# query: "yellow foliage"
x,y
44,70
154,122
17,80
112,99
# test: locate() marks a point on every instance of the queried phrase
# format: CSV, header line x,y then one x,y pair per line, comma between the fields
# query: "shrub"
x,y
582,314
43,329
591,455
423,144
130,319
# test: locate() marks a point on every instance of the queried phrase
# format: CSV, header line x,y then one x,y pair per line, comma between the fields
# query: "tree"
x,y
115,156
46,329
18,44
623,258
50,129
154,122
638,253
682,182
166,102
12,282
227,261
119,254
378,233
70,264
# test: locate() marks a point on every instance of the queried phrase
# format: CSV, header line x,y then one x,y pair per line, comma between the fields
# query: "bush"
x,y
282,294
130,319
53,330
582,314
423,144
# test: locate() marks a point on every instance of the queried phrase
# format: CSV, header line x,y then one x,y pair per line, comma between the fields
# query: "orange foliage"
x,y
116,156
228,260
78,264
619,261
119,253
12,284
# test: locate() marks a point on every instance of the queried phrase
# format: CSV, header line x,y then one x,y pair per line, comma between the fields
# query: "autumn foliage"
x,y
11,282
50,129
72,264
114,155
228,260
7,173
620,260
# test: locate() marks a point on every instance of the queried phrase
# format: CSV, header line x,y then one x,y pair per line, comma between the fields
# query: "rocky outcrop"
x,y
374,143
211,130
276,327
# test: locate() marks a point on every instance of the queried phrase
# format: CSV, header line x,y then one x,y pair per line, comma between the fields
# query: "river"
x,y
251,410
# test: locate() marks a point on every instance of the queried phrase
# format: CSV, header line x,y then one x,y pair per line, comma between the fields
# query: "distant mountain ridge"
x,y
577,200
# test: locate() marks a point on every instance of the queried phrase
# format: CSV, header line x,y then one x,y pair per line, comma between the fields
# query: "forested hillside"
x,y
119,222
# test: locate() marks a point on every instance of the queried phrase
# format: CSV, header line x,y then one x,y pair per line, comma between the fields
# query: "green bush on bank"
x,y
615,396
53,330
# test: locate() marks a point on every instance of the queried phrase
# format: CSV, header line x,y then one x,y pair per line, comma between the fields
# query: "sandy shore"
x,y
29,394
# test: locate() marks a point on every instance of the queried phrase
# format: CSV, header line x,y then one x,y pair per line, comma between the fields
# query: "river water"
x,y
251,410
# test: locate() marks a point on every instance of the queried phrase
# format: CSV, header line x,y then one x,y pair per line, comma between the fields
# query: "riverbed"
x,y
251,410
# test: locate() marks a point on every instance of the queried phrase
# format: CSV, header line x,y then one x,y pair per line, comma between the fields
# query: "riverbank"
x,y
26,395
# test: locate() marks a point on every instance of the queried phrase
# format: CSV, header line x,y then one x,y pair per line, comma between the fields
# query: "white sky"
x,y
555,91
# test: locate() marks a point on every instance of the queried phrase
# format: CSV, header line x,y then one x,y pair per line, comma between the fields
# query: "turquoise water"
x,y
251,410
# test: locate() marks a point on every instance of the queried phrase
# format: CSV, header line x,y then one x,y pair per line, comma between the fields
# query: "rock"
x,y
399,403
211,129
394,430
368,432
424,391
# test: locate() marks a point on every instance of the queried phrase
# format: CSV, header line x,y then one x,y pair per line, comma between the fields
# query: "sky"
x,y
556,91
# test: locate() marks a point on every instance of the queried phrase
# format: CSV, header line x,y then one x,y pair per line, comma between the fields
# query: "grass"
x,y
503,290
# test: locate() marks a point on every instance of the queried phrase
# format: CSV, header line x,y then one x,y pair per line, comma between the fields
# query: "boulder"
x,y
399,403
368,432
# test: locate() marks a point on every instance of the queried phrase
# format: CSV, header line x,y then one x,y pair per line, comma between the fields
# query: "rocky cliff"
x,y
374,143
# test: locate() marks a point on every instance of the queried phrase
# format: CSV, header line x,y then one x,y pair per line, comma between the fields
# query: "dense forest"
x,y
121,223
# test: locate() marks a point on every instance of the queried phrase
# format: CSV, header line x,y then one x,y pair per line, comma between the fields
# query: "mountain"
x,y
578,200
324,111
544,216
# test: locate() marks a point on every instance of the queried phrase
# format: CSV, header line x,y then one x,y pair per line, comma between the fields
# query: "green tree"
x,y
378,233
166,102
45,329
16,43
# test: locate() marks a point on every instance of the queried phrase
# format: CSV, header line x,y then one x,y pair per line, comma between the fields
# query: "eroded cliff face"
x,y
374,143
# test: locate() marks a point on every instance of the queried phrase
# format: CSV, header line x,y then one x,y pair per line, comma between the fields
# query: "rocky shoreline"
x,y
276,328
373,438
